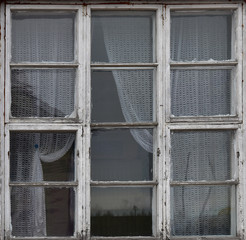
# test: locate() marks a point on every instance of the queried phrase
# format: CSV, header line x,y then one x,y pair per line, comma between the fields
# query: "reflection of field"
x,y
109,225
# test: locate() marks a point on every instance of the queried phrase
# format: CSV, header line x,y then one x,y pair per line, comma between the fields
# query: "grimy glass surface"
x,y
37,211
37,157
201,210
201,155
42,92
42,36
116,156
122,211
122,96
201,36
201,92
122,36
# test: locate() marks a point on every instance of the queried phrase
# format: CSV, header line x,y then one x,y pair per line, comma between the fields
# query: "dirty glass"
x,y
121,211
117,156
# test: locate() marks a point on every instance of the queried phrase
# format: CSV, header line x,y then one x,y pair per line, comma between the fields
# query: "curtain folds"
x,y
127,40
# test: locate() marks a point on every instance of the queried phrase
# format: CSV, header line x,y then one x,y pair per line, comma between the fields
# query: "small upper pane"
x,y
43,36
201,36
42,92
122,96
122,36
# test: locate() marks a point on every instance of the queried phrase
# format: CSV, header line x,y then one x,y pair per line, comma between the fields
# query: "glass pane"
x,y
42,36
42,92
201,36
122,36
122,155
201,210
119,211
37,157
201,92
201,155
37,211
122,95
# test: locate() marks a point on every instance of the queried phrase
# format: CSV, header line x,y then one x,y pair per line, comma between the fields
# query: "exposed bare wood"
x,y
43,184
126,125
190,183
204,64
43,65
123,183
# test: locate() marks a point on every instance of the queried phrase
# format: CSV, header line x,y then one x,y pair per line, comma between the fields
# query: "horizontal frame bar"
x,y
124,125
205,238
124,238
199,126
43,184
191,183
221,118
128,65
123,183
44,238
43,65
204,64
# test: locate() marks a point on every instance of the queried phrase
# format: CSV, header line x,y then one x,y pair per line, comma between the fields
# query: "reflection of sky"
x,y
121,201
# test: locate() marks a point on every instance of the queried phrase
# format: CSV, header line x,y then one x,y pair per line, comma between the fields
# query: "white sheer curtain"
x,y
39,37
128,39
201,155
28,203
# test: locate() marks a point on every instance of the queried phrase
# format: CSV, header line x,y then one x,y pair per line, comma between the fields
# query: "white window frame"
x,y
166,122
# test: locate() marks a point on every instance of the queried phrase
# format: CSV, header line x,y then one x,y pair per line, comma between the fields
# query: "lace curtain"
x,y
200,155
127,39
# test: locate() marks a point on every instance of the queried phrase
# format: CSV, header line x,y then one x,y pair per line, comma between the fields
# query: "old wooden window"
x,y
123,121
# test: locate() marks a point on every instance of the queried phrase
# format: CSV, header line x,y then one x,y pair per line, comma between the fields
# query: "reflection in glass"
x,y
41,156
36,211
42,92
117,156
201,155
42,36
122,36
201,37
201,92
201,210
119,211
122,95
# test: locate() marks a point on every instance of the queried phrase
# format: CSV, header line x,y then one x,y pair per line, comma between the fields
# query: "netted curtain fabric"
x,y
28,203
201,38
129,39
198,156
42,37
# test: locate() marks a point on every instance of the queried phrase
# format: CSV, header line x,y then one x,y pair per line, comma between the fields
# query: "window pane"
x,y
201,36
42,92
122,95
122,154
201,92
41,156
121,211
43,36
37,211
201,210
201,155
122,36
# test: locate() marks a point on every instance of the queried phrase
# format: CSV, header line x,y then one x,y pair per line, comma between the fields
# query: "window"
x,y
123,121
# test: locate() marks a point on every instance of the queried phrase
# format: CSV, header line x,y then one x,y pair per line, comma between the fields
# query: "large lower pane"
x,y
35,157
201,92
119,211
122,154
196,36
43,36
201,210
42,92
201,155
37,211
122,36
122,95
